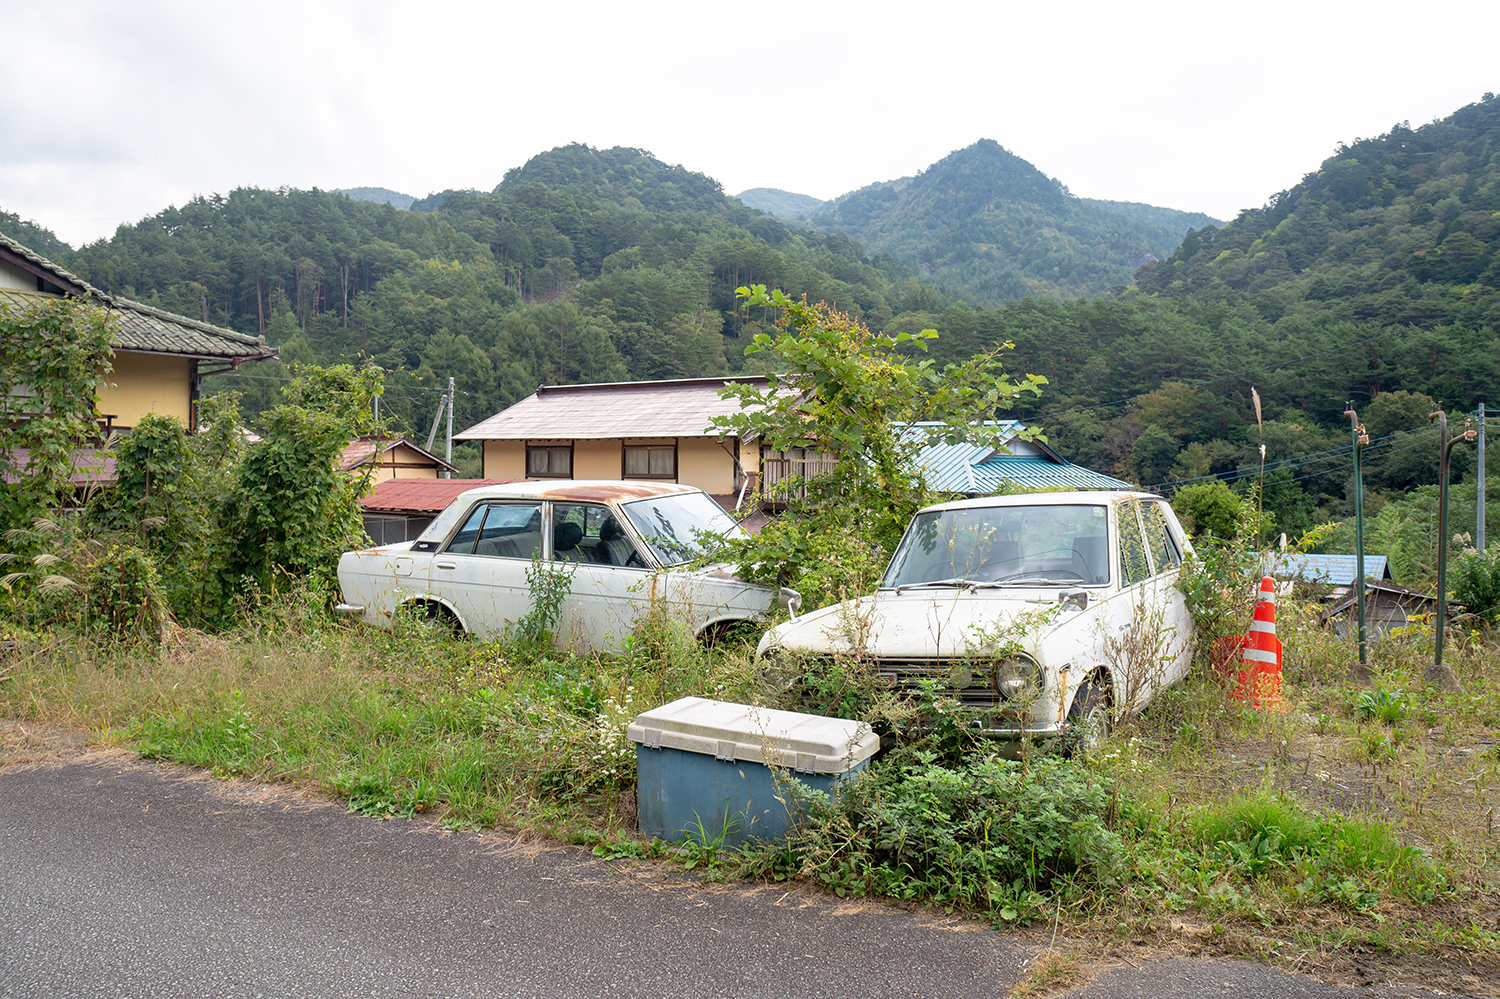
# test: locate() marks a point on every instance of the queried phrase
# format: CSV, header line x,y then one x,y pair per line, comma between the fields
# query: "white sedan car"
x,y
1044,614
624,547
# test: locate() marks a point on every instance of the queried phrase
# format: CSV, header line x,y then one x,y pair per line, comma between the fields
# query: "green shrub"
x,y
1475,578
987,834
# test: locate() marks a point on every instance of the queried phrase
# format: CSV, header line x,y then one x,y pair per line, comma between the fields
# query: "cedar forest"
x,y
1373,281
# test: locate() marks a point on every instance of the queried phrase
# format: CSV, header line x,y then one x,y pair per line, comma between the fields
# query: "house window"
x,y
549,462
650,461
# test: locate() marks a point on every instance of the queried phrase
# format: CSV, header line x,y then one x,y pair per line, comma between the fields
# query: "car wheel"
x,y
440,622
728,634
1088,720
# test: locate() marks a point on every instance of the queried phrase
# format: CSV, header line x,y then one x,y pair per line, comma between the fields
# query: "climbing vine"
x,y
52,358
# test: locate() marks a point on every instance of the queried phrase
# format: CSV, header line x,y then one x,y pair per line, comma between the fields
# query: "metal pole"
x,y
448,456
1479,519
1360,438
1443,678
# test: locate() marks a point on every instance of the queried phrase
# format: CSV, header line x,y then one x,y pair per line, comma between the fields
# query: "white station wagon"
x,y
1045,614
623,545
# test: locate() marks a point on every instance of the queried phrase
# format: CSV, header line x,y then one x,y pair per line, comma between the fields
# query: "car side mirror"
x,y
1074,598
790,600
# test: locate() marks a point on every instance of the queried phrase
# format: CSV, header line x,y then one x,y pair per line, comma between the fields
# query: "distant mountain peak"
x,y
380,195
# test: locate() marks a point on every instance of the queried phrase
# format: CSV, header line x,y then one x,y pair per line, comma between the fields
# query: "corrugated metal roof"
x,y
140,327
676,408
1036,472
979,471
420,495
1336,570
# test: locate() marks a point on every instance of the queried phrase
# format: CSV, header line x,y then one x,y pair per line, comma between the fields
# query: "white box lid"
x,y
728,731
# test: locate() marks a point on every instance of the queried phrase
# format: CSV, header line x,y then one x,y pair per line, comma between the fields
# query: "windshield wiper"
x,y
1033,581
956,581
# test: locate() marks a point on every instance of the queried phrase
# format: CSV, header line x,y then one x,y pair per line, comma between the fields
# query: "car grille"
x,y
969,681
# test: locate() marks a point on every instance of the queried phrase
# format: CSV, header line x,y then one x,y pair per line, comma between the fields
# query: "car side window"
x,y
1133,564
500,530
1164,550
575,531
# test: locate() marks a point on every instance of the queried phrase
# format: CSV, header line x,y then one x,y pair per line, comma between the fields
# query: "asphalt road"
x,y
120,878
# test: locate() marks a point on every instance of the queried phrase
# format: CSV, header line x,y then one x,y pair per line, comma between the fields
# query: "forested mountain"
x,y
596,265
1399,228
990,227
581,265
782,204
380,195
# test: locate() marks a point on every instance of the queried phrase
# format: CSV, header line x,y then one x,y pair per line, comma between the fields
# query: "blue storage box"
x,y
709,767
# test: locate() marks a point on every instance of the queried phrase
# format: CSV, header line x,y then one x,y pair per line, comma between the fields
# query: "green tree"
x,y
292,508
840,388
1211,508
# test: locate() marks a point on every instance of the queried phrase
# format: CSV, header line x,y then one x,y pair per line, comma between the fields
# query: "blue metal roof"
x,y
1336,570
980,471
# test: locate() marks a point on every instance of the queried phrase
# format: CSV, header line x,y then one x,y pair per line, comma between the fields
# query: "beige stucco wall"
x,y
596,459
504,460
146,383
702,462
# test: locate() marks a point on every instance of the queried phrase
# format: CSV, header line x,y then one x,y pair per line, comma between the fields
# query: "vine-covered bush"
x,y
52,357
1475,577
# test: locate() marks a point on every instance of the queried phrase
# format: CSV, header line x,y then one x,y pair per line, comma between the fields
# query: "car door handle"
x,y
447,565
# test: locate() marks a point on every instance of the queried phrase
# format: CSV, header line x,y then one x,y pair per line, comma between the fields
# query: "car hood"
x,y
924,624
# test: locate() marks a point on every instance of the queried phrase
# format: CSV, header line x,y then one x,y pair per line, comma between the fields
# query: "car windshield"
x,y
681,527
1047,544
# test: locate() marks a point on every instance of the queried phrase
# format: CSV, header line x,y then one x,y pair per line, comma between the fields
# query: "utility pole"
x,y
1439,674
448,456
1479,526
1360,439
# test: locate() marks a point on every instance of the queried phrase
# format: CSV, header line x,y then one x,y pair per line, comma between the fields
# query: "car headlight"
x,y
1018,679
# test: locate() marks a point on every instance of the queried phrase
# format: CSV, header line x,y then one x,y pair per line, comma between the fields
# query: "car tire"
x,y
1088,719
441,622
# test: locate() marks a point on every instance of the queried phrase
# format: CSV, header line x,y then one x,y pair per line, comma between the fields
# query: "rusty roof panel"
x,y
420,495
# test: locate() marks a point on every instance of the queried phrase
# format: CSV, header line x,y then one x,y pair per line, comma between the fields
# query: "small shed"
x,y
1387,605
400,509
1336,571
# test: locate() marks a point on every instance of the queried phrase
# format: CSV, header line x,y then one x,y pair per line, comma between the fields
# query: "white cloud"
x,y
114,111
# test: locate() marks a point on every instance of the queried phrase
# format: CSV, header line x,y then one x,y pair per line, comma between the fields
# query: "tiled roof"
x,y
420,496
676,408
142,328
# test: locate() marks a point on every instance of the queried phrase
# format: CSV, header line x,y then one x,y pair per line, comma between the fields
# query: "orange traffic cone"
x,y
1259,680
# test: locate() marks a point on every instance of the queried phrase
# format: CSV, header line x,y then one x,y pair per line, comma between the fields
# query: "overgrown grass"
x,y
1360,816
396,723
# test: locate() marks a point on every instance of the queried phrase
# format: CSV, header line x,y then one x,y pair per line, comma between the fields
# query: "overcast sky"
x,y
112,111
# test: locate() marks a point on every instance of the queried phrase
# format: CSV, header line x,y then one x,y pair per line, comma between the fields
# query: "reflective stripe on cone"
x,y
1259,680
